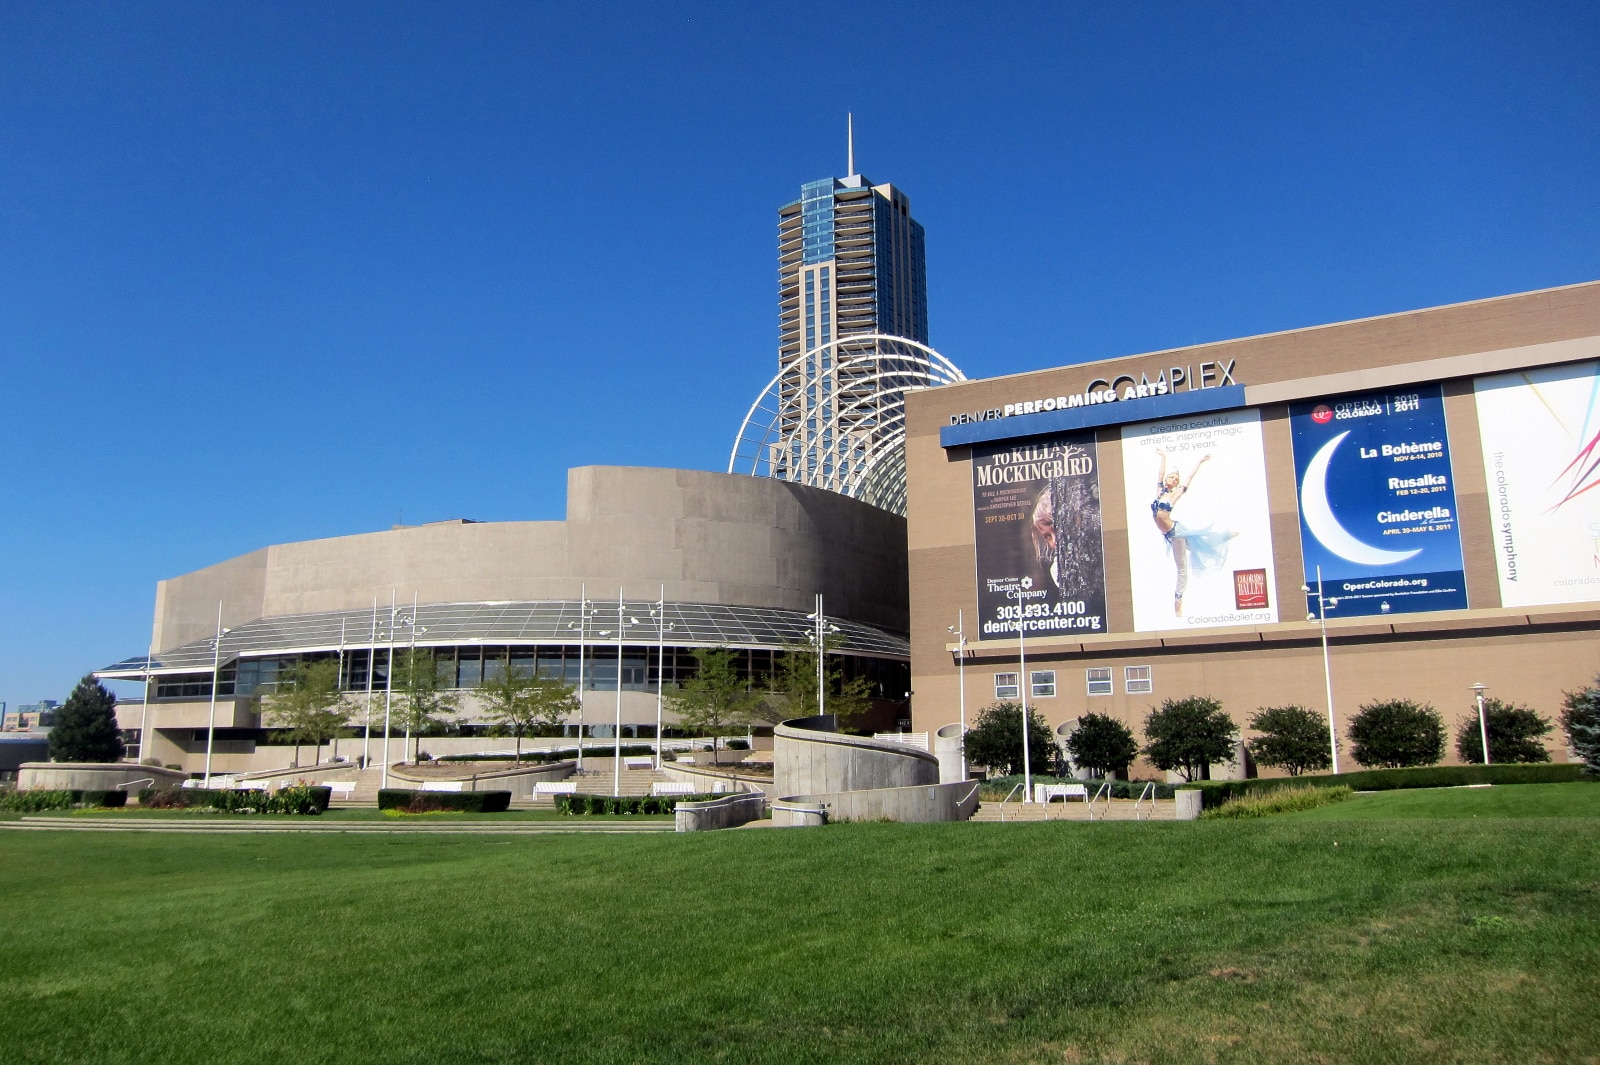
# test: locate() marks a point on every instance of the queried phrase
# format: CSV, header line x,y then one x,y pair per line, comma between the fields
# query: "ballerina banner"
x,y
1378,503
1199,530
1541,453
1040,550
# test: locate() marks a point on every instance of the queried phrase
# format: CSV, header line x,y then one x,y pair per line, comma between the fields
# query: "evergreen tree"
x,y
995,740
1188,735
86,727
1102,745
1397,734
1580,719
1292,738
1514,733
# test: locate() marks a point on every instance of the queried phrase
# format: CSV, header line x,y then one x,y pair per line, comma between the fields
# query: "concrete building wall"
x,y
1524,655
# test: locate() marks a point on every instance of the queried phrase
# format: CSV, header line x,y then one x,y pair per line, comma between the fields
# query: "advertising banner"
x,y
1541,453
1041,556
1378,503
1199,531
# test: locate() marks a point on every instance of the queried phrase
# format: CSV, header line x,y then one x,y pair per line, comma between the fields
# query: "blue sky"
x,y
281,271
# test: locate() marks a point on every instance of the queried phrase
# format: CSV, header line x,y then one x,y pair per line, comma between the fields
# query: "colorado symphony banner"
x,y
1040,553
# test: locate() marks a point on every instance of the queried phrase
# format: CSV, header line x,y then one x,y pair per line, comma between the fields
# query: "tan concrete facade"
x,y
1524,655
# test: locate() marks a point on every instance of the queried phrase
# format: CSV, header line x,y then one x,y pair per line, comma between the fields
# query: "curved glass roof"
x,y
543,622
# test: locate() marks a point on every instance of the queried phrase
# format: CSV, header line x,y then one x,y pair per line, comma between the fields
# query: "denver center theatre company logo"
x,y
1377,502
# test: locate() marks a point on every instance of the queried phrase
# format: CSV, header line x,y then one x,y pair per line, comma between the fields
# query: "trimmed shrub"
x,y
580,805
1216,792
303,800
39,800
421,802
1281,801
1514,733
105,799
1397,734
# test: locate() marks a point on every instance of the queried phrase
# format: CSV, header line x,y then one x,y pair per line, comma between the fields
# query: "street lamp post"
x,y
661,664
582,625
623,621
216,669
960,630
372,665
1483,725
1321,618
388,691
819,638
1022,689
144,711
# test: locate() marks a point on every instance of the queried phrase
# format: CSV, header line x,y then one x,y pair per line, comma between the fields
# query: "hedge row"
x,y
1216,792
303,800
625,804
38,800
421,802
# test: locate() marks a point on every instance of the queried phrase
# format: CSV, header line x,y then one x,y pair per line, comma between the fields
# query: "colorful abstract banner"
x,y
1378,503
1040,550
1541,453
1199,529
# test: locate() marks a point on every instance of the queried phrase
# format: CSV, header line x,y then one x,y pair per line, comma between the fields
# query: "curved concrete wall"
x,y
809,758
710,537
730,812
921,804
518,781
94,776
947,747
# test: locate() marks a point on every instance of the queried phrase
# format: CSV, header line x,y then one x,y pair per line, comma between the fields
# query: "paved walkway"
x,y
245,825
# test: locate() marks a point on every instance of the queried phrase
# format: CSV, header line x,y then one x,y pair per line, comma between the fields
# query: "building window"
x,y
1099,680
1042,683
1136,680
1005,686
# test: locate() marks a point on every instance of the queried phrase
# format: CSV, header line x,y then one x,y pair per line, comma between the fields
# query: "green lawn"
x,y
1517,800
357,813
1307,937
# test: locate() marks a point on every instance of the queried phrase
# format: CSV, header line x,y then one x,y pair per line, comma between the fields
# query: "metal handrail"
x,y
1013,791
1150,790
1103,789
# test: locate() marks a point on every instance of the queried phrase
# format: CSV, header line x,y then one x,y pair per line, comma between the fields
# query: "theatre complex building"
x,y
1161,525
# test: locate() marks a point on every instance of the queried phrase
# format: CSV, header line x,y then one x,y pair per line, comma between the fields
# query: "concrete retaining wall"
x,y
919,804
731,812
810,758
519,781
793,813
1188,803
948,746
95,776
706,779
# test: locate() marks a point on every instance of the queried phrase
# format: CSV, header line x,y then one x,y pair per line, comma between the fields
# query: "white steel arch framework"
x,y
834,417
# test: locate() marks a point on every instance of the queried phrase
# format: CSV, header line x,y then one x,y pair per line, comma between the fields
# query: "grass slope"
x,y
1521,800
1269,940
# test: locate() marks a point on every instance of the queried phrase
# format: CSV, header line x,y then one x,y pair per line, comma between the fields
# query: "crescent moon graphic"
x,y
1325,527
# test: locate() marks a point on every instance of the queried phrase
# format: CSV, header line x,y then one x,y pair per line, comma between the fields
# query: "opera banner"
x,y
1041,557
1199,531
1378,503
1541,453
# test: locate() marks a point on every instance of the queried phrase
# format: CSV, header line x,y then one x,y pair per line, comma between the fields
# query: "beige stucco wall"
x,y
709,537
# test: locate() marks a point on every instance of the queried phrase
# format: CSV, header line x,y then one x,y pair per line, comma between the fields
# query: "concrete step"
x,y
1115,810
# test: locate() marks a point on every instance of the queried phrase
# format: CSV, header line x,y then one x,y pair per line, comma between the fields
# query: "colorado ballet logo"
x,y
1322,414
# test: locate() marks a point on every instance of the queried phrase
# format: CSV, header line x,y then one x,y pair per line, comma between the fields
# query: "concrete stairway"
x,y
596,779
1116,810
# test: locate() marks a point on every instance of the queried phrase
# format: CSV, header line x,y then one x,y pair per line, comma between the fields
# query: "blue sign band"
x,y
1119,412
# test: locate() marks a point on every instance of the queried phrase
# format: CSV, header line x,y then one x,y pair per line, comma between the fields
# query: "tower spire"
x,y
850,136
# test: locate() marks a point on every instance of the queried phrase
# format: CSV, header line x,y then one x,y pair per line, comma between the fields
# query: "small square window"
x,y
1005,686
1136,680
1042,683
1099,680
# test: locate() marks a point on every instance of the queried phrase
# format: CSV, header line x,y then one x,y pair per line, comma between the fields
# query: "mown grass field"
x,y
1357,932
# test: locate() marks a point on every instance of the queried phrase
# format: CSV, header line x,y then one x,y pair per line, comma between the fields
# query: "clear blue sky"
x,y
273,272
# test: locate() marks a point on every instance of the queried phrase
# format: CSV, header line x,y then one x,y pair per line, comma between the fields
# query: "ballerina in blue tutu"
x,y
1202,549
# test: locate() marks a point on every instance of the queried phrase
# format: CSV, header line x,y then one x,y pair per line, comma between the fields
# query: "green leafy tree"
x,y
1397,734
1102,745
1292,738
308,703
524,702
426,699
1188,735
1514,734
716,701
794,683
995,740
1580,720
86,726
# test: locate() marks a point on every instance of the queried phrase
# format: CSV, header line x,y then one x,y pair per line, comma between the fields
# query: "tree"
x,y
1292,738
1580,719
1514,733
426,700
794,681
307,701
523,701
1188,735
715,701
1397,734
1102,745
995,740
86,727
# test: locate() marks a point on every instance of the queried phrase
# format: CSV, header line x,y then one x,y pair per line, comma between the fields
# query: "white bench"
x,y
1046,792
443,785
345,788
641,762
672,787
555,787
